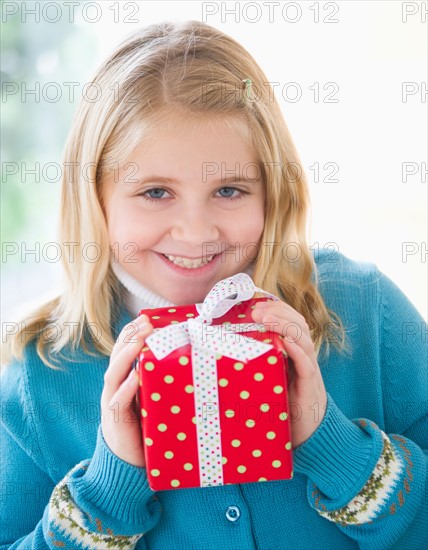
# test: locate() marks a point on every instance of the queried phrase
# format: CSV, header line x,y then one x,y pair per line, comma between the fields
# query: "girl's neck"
x,y
138,297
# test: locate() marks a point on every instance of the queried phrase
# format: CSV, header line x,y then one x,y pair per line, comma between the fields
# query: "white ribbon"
x,y
207,341
226,293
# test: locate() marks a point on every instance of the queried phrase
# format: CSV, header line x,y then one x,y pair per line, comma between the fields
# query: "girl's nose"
x,y
194,227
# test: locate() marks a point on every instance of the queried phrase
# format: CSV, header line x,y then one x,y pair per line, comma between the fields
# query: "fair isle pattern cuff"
x,y
68,520
368,503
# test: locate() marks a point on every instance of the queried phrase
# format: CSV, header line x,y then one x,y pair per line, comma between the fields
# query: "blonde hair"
x,y
199,70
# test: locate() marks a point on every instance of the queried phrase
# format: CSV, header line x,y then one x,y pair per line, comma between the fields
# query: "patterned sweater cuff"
x,y
118,488
339,456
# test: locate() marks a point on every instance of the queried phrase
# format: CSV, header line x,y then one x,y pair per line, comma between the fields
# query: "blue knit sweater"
x,y
359,482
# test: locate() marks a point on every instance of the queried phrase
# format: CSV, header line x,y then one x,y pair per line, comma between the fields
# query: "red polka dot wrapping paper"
x,y
255,432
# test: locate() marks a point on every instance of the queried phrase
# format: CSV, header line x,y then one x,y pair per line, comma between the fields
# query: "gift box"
x,y
213,393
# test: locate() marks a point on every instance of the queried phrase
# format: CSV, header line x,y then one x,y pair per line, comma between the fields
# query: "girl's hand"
x,y
307,394
120,417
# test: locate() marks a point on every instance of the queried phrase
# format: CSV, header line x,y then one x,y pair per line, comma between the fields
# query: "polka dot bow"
x,y
227,293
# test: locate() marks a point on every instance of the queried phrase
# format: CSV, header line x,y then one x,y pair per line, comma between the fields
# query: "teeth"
x,y
187,262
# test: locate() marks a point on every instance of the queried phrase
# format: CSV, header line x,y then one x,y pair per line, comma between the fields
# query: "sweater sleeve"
x,y
372,483
103,502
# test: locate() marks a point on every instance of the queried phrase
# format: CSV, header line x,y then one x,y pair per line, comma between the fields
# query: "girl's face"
x,y
192,192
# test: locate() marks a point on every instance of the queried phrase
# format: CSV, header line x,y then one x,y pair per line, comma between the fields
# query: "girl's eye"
x,y
229,193
157,193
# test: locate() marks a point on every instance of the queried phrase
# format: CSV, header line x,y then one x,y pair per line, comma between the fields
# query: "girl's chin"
x,y
188,296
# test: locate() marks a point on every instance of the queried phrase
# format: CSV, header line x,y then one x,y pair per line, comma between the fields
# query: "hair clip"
x,y
248,83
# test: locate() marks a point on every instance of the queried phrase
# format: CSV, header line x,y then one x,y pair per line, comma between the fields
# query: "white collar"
x,y
138,297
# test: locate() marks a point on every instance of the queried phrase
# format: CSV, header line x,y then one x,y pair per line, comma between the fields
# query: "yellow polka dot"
x,y
272,360
155,473
241,469
229,413
271,435
190,314
174,322
175,409
145,348
149,366
189,388
148,441
256,453
194,420
267,340
235,442
188,466
244,394
264,407
172,310
283,416
169,454
276,463
241,315
278,389
223,382
155,317
258,377
156,396
262,479
223,460
250,423
288,445
238,366
175,483
169,379
143,413
183,360
162,427
181,436
218,357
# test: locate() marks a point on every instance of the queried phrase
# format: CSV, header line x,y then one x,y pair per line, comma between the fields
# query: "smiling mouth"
x,y
189,263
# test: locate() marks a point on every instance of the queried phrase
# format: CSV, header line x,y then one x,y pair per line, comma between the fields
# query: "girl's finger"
x,y
303,340
129,334
122,401
303,366
291,318
280,309
127,390
290,330
121,364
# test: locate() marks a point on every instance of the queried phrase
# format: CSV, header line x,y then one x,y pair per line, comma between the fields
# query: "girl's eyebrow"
x,y
228,179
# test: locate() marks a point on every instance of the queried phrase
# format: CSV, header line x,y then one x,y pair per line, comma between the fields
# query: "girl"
x,y
182,175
